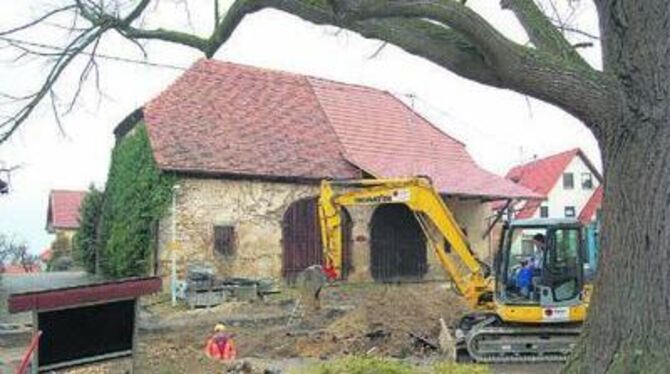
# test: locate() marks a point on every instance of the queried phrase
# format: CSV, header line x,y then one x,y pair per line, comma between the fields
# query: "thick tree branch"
x,y
137,12
171,36
575,87
451,13
435,43
542,33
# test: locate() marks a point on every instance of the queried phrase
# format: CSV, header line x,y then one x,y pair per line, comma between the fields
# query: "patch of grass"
x,y
375,365
454,368
359,365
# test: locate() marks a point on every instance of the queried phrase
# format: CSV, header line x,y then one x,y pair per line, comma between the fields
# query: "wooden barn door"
x,y
301,239
398,245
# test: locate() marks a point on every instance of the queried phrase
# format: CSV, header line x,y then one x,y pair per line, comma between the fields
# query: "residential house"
x,y
250,146
63,212
569,180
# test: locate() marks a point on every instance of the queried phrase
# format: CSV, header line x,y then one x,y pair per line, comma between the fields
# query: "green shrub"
x,y
86,242
137,194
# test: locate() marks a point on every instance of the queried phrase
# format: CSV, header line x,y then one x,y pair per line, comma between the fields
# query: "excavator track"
x,y
490,341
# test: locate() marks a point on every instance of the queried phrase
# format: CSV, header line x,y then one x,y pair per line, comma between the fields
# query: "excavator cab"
x,y
540,263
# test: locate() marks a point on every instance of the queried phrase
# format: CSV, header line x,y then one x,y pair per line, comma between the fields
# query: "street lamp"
x,y
173,246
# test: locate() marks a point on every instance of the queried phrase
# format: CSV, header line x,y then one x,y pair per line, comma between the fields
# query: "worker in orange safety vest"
x,y
221,345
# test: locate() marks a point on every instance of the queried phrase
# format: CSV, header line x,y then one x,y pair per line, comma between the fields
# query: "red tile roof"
x,y
540,176
19,269
45,256
589,211
224,118
63,210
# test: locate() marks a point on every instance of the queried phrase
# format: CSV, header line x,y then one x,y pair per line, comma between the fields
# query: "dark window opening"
x,y
569,211
224,240
587,181
4,187
568,181
544,211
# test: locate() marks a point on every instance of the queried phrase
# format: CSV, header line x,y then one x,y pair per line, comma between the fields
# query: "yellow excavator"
x,y
530,309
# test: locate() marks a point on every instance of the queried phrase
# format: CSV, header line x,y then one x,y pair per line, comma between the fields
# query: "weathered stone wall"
x,y
360,250
254,208
471,214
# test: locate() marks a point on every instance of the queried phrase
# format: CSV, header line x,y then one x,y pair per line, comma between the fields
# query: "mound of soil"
x,y
363,320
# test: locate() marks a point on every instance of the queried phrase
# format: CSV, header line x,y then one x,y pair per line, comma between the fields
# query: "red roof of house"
x,y
63,210
224,118
45,256
595,201
542,175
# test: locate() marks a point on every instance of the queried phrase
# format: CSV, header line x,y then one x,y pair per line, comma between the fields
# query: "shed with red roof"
x,y
250,145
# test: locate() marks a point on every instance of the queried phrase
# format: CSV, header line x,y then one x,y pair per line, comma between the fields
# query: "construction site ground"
x,y
396,321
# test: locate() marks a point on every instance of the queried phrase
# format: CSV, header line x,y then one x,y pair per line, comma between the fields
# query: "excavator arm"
x,y
419,195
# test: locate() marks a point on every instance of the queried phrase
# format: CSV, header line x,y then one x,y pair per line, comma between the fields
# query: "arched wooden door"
x,y
301,239
398,245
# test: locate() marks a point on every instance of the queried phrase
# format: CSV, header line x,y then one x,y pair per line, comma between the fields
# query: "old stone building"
x,y
250,146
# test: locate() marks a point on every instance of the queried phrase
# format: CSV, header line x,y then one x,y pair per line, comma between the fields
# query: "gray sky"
x,y
500,128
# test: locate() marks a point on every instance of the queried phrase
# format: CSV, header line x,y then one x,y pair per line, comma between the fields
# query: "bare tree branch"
x,y
79,44
574,30
37,20
377,51
13,252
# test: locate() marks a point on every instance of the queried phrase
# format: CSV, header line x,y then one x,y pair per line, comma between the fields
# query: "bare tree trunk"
x,y
628,329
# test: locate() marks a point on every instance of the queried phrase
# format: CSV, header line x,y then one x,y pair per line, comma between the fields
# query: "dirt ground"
x,y
354,319
367,319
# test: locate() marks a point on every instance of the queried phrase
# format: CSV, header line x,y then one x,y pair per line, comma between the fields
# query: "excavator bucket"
x,y
447,342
